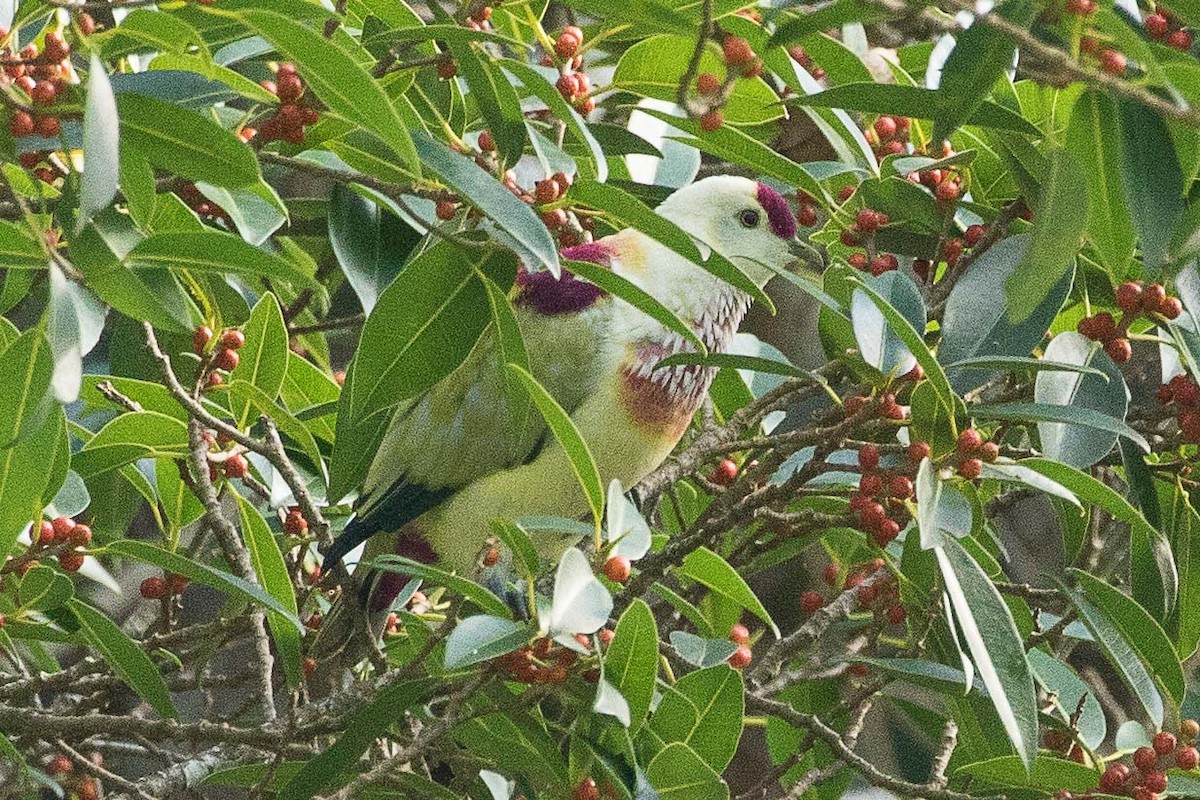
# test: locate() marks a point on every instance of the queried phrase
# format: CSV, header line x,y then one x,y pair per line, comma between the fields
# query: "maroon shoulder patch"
x,y
409,544
779,215
567,294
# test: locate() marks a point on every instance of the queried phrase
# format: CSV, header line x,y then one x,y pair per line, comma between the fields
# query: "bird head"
x,y
747,222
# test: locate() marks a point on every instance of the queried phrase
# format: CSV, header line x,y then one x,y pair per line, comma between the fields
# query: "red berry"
x,y
897,615
617,569
870,485
586,790
236,466
1180,40
885,128
872,515
1157,25
200,339
226,360
45,536
971,468
1189,729
1187,757
884,263
1129,297
445,210
867,220
951,250
725,473
48,127
974,234
888,530
858,261
233,339
806,215
1112,61
811,602
43,93
946,192
1113,778
1171,308
154,588
62,528
1155,781
491,557
900,487
739,634
1145,759
1119,350
737,51
21,124
845,193
1189,425
80,536
70,561
1153,297
918,452
741,657
546,191
989,452
289,87
868,456
447,68
969,441
308,666
60,765
711,120
486,143
295,524
566,46
708,84
1164,744
831,574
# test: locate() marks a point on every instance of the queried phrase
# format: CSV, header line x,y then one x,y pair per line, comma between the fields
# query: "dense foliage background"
x,y
959,560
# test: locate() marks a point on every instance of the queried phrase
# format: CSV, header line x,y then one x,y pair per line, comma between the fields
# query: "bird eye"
x,y
749,218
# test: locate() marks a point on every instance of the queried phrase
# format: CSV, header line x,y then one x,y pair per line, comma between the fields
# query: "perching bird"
x,y
452,459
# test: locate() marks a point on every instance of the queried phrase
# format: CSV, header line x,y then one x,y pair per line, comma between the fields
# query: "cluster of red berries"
x,y
479,18
84,786
742,62
1163,26
158,587
1134,301
888,135
45,169
881,596
1146,779
224,356
972,452
573,83
806,209
879,503
542,662
884,405
61,536
288,121
739,634
42,77
1185,394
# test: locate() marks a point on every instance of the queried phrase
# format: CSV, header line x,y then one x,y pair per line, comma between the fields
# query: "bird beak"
x,y
807,258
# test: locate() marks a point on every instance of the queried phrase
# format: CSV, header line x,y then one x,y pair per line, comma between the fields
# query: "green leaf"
x,y
101,133
241,392
272,573
516,539
941,508
184,143
704,711
481,638
654,66
495,97
979,59
569,439
1022,364
709,569
677,773
264,357
995,644
621,287
911,101
1057,226
211,251
201,573
368,723
24,477
626,210
468,589
700,651
1090,490
1121,654
1139,628
799,26
129,437
19,250
477,186
1069,414
1185,542
631,663
1082,438
510,349
179,504
423,326
337,78
43,589
1048,773
975,324
1153,180
124,656
915,342
1094,140
880,346
371,245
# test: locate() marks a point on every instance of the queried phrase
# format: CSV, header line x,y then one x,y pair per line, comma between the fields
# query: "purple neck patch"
x,y
547,295
783,224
